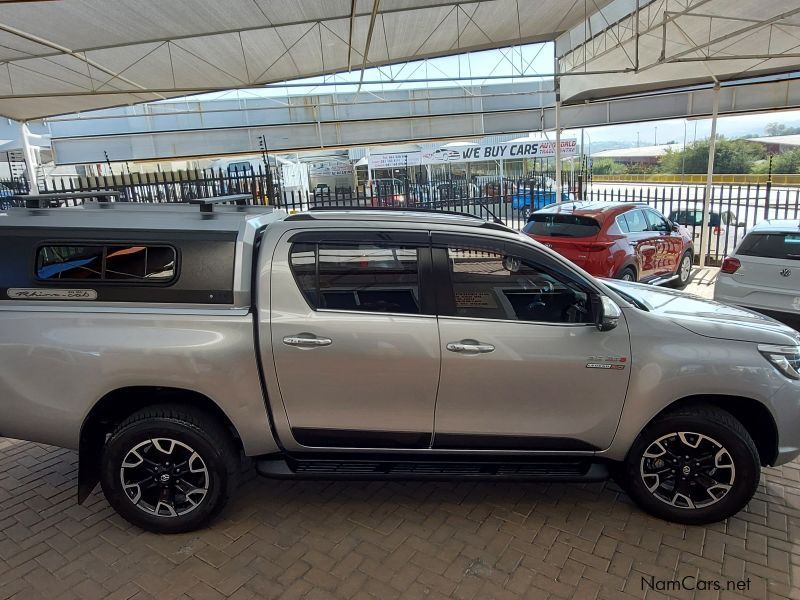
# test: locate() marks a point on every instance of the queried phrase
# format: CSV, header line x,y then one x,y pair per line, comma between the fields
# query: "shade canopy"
x,y
76,55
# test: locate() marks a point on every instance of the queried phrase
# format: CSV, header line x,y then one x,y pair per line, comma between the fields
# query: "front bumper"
x,y
786,407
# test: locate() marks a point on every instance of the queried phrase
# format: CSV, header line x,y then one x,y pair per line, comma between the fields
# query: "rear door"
x,y
769,275
354,338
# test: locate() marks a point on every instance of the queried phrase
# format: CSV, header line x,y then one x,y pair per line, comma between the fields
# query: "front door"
x,y
355,341
523,366
645,243
668,244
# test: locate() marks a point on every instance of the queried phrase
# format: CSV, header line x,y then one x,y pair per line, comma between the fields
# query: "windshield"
x,y
561,225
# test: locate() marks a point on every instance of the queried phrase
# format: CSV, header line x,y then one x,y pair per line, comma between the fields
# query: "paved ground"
x,y
399,540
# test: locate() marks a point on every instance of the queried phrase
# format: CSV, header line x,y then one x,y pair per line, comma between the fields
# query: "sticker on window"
x,y
475,299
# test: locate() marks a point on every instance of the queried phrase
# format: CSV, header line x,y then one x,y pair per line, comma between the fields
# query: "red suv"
x,y
622,240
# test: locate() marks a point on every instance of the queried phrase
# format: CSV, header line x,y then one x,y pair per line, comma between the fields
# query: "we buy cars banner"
x,y
504,151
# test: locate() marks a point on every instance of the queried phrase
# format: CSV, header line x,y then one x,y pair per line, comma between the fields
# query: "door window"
x,y
657,222
369,277
636,221
491,285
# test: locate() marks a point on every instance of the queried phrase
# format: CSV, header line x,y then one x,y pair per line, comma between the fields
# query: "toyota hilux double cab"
x,y
166,343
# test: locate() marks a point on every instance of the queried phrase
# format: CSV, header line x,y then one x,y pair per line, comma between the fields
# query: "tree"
x,y
780,129
607,166
730,156
788,162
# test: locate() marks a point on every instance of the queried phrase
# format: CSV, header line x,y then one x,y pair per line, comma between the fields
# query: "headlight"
x,y
785,358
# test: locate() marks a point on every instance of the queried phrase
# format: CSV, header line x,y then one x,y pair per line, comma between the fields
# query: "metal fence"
x,y
735,208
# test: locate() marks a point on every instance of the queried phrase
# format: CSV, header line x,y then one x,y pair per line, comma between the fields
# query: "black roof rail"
x,y
207,204
433,211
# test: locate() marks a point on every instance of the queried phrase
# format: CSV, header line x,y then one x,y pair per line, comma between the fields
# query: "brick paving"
x,y
315,540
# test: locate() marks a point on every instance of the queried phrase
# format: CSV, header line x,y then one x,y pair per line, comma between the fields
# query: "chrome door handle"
x,y
468,346
306,342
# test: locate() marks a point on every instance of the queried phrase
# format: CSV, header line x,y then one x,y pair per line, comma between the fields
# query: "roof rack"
x,y
48,200
207,204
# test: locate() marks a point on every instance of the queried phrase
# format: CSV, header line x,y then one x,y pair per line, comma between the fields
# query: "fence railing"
x,y
694,179
735,208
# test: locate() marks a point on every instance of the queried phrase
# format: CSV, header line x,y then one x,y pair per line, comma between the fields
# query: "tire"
x,y
525,212
725,481
684,271
160,496
627,274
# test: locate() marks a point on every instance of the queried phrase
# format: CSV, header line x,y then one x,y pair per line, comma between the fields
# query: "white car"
x,y
763,273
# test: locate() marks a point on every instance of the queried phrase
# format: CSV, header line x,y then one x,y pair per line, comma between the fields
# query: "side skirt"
x,y
401,468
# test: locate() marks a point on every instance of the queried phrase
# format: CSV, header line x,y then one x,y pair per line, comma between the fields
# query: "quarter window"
x,y
366,277
128,262
490,285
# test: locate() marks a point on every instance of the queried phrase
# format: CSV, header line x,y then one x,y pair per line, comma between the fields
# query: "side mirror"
x,y
607,313
675,226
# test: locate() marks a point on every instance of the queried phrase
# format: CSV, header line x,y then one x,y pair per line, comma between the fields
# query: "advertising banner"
x,y
505,151
331,169
395,161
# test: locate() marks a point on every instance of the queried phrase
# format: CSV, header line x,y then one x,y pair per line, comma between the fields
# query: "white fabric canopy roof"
x,y
75,55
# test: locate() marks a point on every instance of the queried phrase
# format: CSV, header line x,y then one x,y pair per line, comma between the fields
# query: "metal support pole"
x,y
712,144
502,181
29,154
558,147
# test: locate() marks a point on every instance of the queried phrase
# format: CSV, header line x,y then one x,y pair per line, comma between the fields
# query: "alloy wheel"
x,y
164,477
686,268
687,470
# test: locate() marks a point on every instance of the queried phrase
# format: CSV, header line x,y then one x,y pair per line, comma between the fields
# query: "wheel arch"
x,y
754,416
115,406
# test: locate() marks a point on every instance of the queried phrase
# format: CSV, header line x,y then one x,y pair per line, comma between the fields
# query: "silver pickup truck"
x,y
167,342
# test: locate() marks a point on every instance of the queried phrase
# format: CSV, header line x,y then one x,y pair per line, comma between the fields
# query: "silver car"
x,y
164,342
763,273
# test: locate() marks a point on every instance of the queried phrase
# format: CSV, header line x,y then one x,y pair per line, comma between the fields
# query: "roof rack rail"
x,y
207,204
434,211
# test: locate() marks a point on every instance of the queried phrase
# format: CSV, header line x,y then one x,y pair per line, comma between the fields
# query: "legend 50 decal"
x,y
615,363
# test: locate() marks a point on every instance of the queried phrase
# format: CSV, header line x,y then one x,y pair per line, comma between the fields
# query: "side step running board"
x,y
540,470
662,280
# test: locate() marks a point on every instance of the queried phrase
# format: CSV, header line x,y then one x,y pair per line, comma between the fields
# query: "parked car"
x,y
388,192
721,228
622,240
6,191
763,273
537,193
371,344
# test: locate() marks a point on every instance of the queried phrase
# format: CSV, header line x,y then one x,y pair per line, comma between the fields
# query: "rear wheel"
x,y
695,465
525,212
169,469
627,274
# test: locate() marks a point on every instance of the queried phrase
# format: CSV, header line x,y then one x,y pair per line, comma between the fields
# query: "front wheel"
x,y
684,271
696,465
168,469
